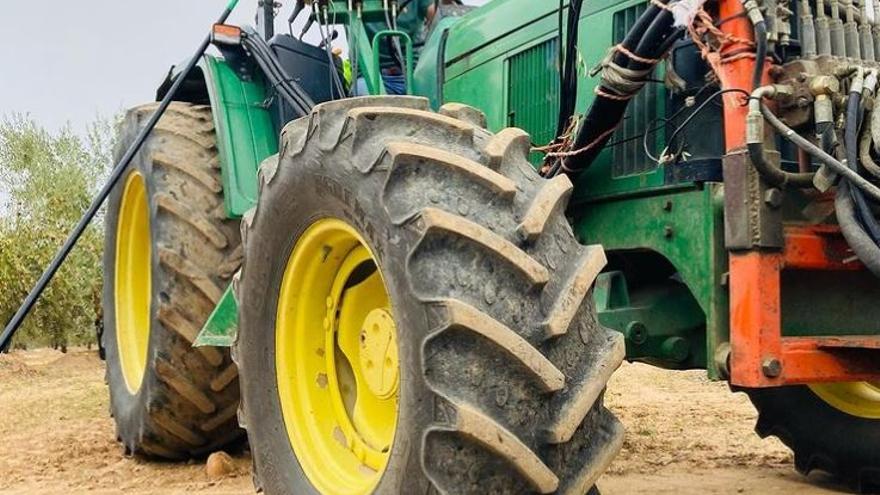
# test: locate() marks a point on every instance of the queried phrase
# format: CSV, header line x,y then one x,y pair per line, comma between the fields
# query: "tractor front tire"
x,y
169,253
822,437
502,362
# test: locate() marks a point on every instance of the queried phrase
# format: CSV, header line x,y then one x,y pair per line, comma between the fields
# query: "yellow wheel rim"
x,y
336,360
132,283
860,399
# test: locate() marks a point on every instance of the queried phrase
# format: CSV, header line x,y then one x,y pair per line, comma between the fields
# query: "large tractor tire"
x,y
831,427
169,254
416,314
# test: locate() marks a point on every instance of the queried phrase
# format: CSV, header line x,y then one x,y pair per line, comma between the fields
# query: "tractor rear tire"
x,y
821,436
175,401
503,363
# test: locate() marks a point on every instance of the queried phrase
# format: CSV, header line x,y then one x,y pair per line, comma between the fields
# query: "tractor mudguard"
x,y
245,137
246,134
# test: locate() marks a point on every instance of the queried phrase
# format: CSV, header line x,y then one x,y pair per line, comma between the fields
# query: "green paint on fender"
x,y
245,133
222,326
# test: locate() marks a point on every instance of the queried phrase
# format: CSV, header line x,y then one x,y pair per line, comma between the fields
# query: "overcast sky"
x,y
69,61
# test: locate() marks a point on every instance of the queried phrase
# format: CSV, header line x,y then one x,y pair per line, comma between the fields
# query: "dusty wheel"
x,y
429,248
169,253
830,427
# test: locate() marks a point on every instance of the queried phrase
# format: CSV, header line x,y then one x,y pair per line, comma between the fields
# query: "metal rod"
x,y
117,173
266,19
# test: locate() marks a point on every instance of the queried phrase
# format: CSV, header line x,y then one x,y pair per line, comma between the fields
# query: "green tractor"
x,y
428,292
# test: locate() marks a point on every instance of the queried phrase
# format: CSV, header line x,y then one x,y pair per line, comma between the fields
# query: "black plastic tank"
x,y
308,66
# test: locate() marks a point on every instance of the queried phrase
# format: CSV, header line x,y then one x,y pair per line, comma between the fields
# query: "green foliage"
x,y
46,183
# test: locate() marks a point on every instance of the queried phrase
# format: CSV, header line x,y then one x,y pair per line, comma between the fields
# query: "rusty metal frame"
x,y
759,354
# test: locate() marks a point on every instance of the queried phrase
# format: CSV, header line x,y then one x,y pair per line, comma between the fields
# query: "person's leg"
x,y
395,85
360,88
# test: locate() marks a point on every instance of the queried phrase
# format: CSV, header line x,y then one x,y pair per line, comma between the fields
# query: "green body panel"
x,y
426,74
222,326
483,51
512,45
245,137
533,90
665,287
662,323
684,228
478,53
245,133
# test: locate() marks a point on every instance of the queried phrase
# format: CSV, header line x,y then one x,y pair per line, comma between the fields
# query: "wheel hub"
x,y
337,360
378,353
132,289
861,399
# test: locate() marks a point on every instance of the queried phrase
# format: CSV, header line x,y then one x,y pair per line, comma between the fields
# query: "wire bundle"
x,y
278,78
624,71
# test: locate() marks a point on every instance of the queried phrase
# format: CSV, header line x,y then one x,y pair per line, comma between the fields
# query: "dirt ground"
x,y
686,435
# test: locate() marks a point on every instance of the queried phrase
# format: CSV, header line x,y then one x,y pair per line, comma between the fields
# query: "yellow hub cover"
x,y
132,289
336,360
378,353
861,399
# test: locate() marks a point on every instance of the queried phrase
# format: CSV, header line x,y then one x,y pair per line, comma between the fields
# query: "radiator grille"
x,y
628,155
533,91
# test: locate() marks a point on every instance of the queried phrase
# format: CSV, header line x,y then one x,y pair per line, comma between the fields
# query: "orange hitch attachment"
x,y
759,354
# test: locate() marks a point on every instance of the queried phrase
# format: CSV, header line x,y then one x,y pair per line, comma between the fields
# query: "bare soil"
x,y
686,435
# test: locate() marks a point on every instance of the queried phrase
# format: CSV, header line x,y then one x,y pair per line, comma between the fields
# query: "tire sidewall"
x,y
129,410
820,435
322,193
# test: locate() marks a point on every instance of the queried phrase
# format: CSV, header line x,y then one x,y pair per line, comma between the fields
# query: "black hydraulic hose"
x,y
120,168
651,42
760,53
568,80
820,155
636,32
850,139
826,136
867,251
867,161
278,77
645,40
276,80
774,175
297,9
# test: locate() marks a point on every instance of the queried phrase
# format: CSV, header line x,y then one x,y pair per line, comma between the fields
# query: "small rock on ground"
x,y
219,465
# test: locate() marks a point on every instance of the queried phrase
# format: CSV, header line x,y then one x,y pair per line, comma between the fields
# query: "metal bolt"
x,y
667,206
722,359
637,332
773,197
667,231
675,348
771,367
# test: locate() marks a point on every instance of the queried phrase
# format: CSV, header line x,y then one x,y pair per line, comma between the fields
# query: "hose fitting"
x,y
857,83
753,11
754,119
771,172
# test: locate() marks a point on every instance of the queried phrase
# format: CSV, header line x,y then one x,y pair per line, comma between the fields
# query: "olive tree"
x,y
46,182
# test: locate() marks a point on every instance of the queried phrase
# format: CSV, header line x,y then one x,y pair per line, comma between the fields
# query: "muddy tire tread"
x,y
473,199
192,393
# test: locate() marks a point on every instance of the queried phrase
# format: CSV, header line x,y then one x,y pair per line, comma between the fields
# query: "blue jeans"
x,y
394,85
